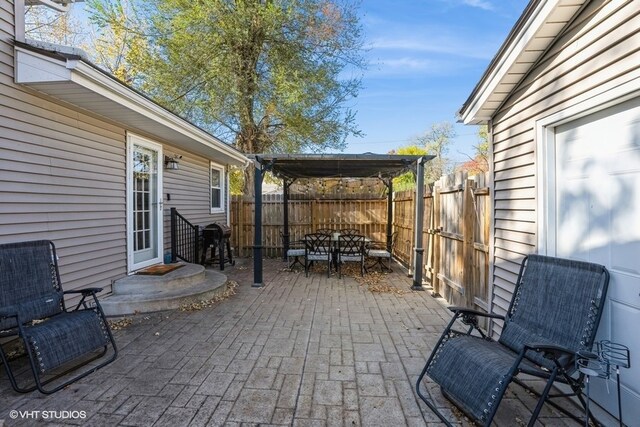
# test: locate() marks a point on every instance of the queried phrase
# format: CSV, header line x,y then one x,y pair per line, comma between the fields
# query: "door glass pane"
x,y
145,204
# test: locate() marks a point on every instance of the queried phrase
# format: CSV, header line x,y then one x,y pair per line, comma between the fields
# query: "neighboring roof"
x,y
66,74
540,24
338,165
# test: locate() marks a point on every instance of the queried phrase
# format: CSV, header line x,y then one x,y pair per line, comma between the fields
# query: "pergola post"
x,y
389,215
257,220
419,220
285,232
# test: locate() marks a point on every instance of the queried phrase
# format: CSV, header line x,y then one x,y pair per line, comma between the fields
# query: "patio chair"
x,y
377,251
349,231
554,313
327,231
57,340
317,247
351,249
295,251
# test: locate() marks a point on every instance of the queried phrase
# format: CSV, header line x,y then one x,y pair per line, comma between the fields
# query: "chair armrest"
x,y
4,314
556,351
470,311
85,291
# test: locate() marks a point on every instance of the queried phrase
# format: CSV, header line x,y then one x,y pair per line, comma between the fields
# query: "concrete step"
x,y
188,275
157,299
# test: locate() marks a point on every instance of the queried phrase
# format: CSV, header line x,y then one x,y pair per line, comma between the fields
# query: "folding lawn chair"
x,y
57,340
554,314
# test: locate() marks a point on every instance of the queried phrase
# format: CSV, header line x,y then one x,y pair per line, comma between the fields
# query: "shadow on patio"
x,y
302,351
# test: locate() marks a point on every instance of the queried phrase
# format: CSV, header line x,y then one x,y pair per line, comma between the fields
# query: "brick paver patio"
x,y
300,351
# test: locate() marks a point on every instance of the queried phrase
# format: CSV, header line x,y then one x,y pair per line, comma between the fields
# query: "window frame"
x,y
221,169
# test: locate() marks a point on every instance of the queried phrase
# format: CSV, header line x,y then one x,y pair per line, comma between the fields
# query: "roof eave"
x,y
541,22
42,70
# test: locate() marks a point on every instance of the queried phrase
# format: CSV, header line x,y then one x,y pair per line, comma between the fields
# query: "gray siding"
x,y
601,49
190,192
63,178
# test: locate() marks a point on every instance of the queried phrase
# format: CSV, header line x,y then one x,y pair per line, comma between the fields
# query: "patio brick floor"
x,y
299,351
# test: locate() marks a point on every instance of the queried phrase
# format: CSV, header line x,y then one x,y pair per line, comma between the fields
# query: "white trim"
x,y
545,155
18,19
139,140
539,17
492,227
223,183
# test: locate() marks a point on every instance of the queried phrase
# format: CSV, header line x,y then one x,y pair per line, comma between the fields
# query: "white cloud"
x,y
440,45
482,4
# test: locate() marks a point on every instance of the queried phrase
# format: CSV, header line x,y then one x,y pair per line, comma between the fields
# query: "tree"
x,y
45,24
480,162
115,47
267,75
407,180
436,141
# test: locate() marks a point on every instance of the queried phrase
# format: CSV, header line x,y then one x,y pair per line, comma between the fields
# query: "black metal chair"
x,y
295,251
349,231
377,251
554,313
317,247
351,248
57,340
325,231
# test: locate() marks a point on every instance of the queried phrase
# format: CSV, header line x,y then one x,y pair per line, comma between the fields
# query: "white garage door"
x,y
597,217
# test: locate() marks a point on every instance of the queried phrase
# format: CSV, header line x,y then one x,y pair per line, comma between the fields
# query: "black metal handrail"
x,y
185,239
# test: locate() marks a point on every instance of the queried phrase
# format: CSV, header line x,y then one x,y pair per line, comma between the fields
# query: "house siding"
x,y
63,178
189,188
599,50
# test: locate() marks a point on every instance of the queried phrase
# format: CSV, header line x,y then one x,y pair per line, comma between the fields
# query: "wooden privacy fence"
x,y
456,230
305,216
455,239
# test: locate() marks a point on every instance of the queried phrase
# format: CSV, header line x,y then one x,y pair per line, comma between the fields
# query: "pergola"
x,y
290,167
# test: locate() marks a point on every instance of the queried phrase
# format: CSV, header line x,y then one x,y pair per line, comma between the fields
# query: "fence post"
x,y
436,238
468,228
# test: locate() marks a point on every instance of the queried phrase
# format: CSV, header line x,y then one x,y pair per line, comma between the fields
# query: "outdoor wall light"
x,y
171,163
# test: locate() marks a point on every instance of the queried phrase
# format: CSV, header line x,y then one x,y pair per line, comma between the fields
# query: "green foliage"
x,y
267,75
436,142
407,180
116,47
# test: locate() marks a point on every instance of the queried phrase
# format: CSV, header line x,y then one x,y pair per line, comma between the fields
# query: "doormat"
x,y
159,270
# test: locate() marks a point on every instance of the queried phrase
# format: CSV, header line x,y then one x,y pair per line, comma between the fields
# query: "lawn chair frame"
x,y
20,330
559,360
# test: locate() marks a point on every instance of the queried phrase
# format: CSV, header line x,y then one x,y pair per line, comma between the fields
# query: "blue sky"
x,y
425,58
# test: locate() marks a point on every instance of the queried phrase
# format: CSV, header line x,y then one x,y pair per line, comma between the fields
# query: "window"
x,y
217,188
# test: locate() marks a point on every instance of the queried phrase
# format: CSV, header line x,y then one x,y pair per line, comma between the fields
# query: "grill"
x,y
216,237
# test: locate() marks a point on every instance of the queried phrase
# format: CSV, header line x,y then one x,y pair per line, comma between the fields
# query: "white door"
x,y
597,216
144,207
